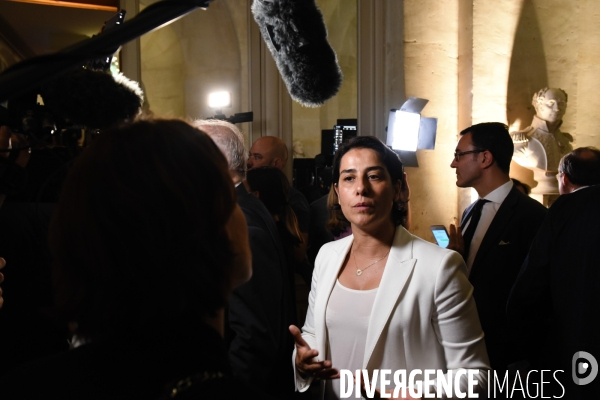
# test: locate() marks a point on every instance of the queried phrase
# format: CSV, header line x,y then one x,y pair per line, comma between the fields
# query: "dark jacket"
x,y
261,310
554,307
495,269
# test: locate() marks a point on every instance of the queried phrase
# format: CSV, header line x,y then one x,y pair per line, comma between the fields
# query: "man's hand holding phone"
x,y
441,235
456,239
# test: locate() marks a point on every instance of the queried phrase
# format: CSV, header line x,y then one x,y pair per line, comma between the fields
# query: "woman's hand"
x,y
305,363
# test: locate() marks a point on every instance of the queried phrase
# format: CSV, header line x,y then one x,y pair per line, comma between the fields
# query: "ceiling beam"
x,y
103,5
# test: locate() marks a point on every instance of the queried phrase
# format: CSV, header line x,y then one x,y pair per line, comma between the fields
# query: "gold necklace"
x,y
360,271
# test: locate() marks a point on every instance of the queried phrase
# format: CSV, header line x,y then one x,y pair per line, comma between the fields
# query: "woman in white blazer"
x,y
383,298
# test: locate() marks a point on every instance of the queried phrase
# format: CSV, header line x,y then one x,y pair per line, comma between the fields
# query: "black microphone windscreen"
x,y
295,33
93,99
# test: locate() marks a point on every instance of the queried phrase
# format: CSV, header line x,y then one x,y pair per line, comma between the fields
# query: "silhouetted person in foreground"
x,y
554,305
148,242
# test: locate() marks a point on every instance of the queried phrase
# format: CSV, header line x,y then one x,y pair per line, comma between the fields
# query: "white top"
x,y
488,212
347,320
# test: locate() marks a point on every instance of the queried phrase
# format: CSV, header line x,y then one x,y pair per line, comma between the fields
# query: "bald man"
x,y
579,169
270,151
260,346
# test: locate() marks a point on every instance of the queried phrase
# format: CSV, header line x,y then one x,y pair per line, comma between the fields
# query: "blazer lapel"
x,y
398,268
467,211
492,236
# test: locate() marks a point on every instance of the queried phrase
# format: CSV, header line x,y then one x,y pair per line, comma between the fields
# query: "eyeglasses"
x,y
458,154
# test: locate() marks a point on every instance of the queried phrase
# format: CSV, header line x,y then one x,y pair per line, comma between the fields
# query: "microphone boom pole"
x,y
29,74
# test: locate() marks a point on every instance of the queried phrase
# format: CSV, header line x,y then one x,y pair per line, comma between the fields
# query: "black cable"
x,y
29,74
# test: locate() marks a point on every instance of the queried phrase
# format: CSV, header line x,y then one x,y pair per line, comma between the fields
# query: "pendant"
x,y
358,272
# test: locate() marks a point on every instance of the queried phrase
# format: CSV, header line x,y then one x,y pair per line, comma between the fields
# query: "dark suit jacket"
x,y
495,269
260,311
301,208
554,307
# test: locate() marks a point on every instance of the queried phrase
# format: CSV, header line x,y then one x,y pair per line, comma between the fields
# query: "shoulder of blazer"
x,y
337,246
569,203
521,203
429,257
421,246
528,208
431,253
332,250
518,215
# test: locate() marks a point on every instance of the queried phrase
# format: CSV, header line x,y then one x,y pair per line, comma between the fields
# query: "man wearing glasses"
x,y
495,232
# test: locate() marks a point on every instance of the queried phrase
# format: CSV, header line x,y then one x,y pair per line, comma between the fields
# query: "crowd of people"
x,y
167,269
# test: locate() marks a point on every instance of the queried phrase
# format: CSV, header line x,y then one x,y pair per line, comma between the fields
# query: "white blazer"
x,y
423,317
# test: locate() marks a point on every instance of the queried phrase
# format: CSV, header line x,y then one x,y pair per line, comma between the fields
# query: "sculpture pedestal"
x,y
546,191
545,199
546,182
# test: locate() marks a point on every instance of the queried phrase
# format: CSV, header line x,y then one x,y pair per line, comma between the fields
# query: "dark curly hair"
x,y
337,222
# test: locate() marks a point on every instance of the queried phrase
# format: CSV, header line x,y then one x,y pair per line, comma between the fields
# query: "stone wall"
x,y
506,51
205,51
475,60
431,33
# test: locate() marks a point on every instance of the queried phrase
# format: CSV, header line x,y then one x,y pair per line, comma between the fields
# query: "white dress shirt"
x,y
488,212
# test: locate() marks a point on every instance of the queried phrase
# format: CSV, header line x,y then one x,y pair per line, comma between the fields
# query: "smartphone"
x,y
441,235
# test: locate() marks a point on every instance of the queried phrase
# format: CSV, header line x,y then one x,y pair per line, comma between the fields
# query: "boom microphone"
x,y
93,99
295,33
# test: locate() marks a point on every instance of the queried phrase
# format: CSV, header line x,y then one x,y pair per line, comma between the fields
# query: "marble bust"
x,y
541,146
